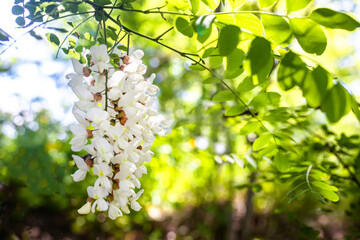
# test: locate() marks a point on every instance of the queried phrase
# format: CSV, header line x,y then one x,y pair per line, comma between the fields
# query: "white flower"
x,y
80,174
114,211
121,196
97,115
140,171
80,137
104,172
98,194
117,129
133,201
104,149
85,209
100,58
135,62
80,116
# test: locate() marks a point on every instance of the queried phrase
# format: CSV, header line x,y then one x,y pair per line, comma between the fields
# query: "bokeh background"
x,y
188,194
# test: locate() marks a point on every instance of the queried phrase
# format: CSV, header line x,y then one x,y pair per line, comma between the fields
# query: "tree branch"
x,y
346,166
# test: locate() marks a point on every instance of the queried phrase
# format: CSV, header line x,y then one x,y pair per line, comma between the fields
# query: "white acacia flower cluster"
x,y
116,127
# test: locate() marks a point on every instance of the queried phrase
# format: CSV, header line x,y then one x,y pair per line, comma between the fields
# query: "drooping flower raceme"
x,y
116,126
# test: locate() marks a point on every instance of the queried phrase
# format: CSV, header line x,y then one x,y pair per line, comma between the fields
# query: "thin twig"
x,y
106,72
161,35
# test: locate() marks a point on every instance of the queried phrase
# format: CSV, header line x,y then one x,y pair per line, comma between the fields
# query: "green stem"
x,y
128,45
106,72
106,90
161,35
117,41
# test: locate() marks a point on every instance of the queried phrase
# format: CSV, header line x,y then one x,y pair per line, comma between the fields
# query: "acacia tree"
x,y
242,49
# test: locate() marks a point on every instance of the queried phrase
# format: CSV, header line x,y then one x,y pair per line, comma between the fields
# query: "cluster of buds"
x,y
116,127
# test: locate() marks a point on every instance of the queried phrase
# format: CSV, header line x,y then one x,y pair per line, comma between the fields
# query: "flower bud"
x,y
89,162
97,97
86,71
89,132
122,67
126,59
123,120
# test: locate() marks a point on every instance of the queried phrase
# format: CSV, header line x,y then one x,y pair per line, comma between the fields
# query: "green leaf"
x,y
195,5
283,137
235,110
266,3
318,196
264,99
329,195
249,22
315,86
236,3
259,60
228,39
53,38
17,10
184,27
212,4
355,107
332,19
208,52
223,96
122,48
324,186
245,85
292,71
233,74
309,35
263,141
65,50
235,59
298,194
20,21
18,1
226,19
102,2
203,25
215,62
277,29
63,30
3,35
292,6
72,42
337,103
294,188
250,127
33,34
281,161
196,67
211,80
